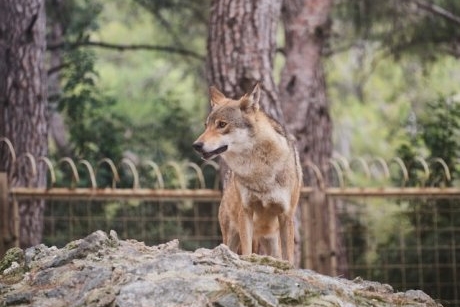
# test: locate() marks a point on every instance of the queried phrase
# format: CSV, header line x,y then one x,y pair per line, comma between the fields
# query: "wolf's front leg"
x,y
246,225
233,241
287,237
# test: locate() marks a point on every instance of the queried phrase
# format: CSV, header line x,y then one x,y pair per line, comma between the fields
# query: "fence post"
x,y
9,218
316,247
306,234
16,222
4,214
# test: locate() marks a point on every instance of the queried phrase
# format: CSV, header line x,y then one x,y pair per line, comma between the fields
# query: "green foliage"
x,y
182,21
387,59
435,132
372,97
429,239
165,135
113,105
135,115
75,17
441,129
402,27
95,131
161,93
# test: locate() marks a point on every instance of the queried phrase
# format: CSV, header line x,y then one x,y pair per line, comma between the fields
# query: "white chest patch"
x,y
278,196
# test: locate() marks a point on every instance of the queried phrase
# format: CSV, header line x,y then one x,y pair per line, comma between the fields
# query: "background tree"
x,y
425,29
306,109
241,49
23,103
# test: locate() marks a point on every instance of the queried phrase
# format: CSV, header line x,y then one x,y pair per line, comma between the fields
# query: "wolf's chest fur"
x,y
262,175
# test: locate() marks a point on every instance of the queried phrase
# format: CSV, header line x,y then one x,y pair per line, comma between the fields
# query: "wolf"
x,y
263,186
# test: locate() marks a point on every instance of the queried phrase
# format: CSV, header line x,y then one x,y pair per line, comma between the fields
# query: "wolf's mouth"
x,y
218,151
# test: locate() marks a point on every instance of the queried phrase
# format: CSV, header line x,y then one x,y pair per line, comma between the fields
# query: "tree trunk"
x,y
23,104
241,49
306,109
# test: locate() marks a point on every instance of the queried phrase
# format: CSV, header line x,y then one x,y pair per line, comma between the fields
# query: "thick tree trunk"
x,y
241,49
302,86
306,109
23,105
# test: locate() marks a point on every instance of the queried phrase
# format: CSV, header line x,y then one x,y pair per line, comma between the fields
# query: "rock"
x,y
13,255
12,266
102,270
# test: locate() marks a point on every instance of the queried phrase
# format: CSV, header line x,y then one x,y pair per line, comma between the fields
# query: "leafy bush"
x,y
429,241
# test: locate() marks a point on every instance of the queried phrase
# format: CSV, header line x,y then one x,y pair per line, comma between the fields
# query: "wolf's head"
x,y
229,125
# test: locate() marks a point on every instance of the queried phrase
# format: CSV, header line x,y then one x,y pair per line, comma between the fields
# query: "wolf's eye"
x,y
221,124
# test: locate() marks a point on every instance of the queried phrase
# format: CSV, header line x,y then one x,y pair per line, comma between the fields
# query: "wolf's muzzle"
x,y
198,146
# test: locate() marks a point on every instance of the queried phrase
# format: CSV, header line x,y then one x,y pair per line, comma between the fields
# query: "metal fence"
x,y
153,222
407,236
407,243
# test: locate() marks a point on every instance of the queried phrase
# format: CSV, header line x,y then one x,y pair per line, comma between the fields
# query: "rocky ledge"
x,y
101,270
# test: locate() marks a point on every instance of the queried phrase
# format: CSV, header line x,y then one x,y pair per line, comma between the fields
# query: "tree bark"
x,y
302,86
241,49
306,109
23,104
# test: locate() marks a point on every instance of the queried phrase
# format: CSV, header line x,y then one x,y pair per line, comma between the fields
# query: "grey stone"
x,y
102,270
16,299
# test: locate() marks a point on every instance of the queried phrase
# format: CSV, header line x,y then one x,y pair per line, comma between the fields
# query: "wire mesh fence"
x,y
409,244
394,222
194,223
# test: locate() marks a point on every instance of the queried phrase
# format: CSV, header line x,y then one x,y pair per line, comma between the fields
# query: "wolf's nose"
x,y
198,146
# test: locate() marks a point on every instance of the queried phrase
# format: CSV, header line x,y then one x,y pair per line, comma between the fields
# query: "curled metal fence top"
x,y
339,172
183,175
360,172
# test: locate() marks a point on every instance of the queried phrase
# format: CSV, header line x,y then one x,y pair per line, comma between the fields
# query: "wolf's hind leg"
x,y
287,237
246,230
270,245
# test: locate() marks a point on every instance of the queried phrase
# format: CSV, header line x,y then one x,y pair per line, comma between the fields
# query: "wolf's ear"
x,y
250,101
215,96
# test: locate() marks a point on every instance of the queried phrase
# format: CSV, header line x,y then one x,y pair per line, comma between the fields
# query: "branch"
x,y
453,51
57,68
437,10
123,47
